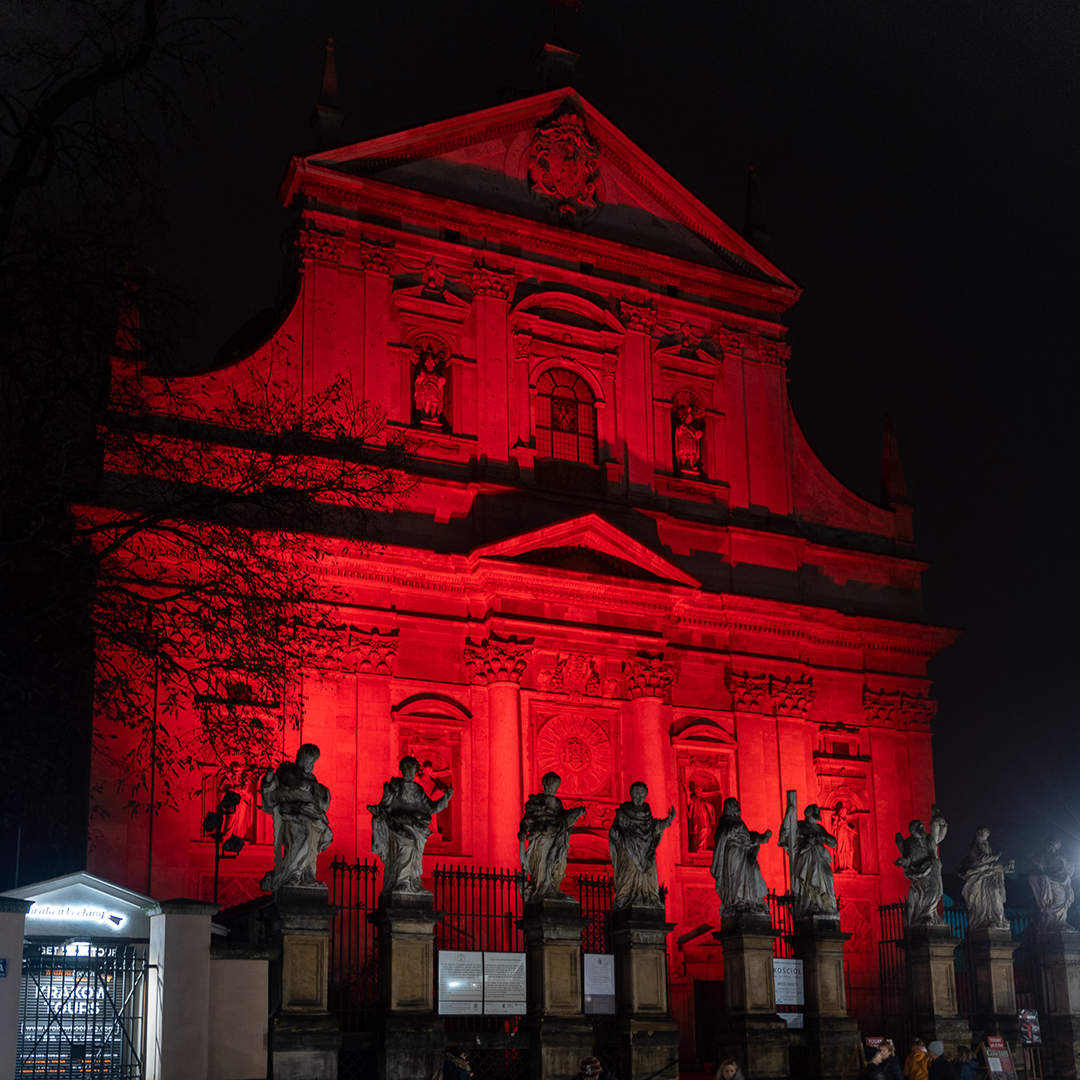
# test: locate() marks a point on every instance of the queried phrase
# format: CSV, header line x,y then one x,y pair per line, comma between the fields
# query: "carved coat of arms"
x,y
564,165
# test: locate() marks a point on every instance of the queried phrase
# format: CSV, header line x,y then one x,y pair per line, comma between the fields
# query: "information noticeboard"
x,y
998,1058
788,980
461,983
599,983
504,984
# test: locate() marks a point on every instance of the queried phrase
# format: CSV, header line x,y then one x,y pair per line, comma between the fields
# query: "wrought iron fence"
x,y
597,895
354,957
897,1014
781,913
483,907
81,1011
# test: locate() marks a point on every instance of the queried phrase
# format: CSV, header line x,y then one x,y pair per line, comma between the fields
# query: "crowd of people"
x,y
923,1062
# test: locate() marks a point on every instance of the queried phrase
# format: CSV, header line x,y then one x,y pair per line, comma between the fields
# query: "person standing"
x,y
917,1062
941,1068
890,1063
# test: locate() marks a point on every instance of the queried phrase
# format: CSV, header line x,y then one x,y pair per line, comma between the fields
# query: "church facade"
x,y
621,559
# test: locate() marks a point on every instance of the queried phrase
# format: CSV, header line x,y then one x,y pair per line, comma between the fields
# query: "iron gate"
x,y
81,1011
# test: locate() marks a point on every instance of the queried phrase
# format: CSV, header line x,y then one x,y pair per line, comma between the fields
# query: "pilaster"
x,y
1058,953
831,1034
12,926
751,1032
648,1035
562,1034
413,1038
304,1037
933,984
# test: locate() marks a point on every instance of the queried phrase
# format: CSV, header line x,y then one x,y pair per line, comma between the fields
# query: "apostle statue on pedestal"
x,y
922,867
400,827
739,881
545,829
984,883
633,839
1051,881
807,843
301,831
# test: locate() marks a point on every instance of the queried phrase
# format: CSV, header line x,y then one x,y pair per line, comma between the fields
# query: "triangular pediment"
x,y
85,906
484,159
586,544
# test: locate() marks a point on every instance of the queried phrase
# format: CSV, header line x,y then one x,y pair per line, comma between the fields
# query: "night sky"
x,y
917,165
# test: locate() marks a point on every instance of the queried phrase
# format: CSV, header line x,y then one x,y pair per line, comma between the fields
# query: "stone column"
x,y
553,960
304,1037
830,1033
492,290
177,1006
649,679
413,1039
637,398
1058,953
751,1032
649,1036
499,663
12,926
990,950
933,984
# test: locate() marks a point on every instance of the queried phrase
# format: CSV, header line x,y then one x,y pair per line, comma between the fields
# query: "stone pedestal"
x,y
562,1034
1058,953
413,1038
990,951
831,1035
933,985
304,1037
648,1036
751,1031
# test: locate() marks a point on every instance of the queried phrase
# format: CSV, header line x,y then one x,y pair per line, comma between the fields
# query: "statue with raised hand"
x,y
544,836
922,867
632,840
807,843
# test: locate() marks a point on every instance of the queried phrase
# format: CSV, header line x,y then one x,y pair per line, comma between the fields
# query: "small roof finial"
x,y
328,117
893,485
754,229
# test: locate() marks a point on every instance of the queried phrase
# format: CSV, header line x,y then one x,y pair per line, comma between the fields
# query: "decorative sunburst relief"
x,y
579,748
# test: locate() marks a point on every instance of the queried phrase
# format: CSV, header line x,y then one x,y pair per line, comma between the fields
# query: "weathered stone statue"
x,y
298,803
687,441
984,883
739,881
922,867
840,820
400,827
1051,880
807,843
545,828
429,383
700,818
633,839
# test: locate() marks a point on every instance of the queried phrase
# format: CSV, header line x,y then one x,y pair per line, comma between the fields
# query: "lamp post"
x,y
214,824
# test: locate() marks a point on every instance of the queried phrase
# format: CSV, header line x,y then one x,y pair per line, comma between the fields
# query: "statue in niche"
x,y
700,817
440,785
301,830
400,827
632,840
1051,880
922,867
687,440
807,843
846,856
545,829
984,883
429,384
739,881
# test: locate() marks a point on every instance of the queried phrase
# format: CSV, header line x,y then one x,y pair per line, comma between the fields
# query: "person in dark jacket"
x,y
966,1063
941,1068
456,1064
890,1064
874,1069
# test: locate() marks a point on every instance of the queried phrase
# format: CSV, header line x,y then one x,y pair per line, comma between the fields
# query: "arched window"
x,y
565,417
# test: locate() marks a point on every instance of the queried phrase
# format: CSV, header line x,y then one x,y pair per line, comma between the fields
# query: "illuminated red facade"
x,y
623,560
